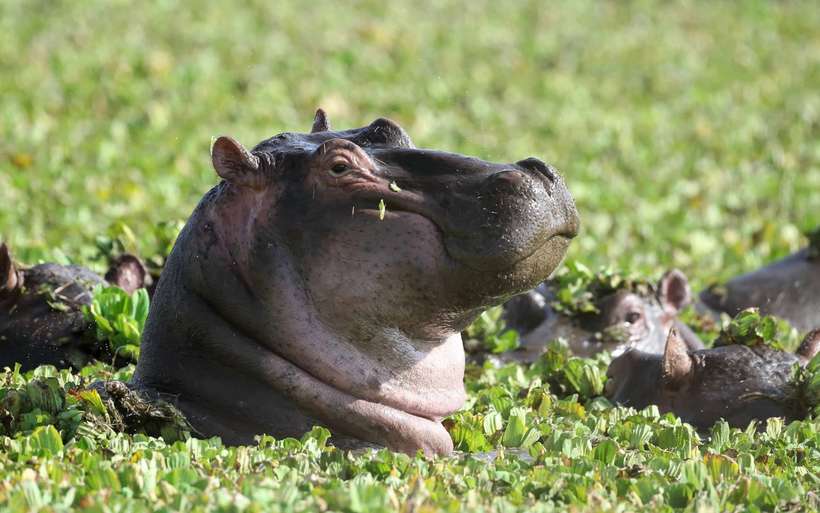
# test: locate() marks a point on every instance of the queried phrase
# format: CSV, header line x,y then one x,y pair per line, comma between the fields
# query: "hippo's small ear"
x,y
320,122
9,277
235,164
809,347
673,291
677,366
128,273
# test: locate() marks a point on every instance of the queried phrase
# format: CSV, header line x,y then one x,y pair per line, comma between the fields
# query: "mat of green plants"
x,y
688,132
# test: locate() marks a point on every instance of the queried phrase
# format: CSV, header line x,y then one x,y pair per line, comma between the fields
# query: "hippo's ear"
x,y
809,347
673,291
128,273
235,164
320,122
9,277
678,366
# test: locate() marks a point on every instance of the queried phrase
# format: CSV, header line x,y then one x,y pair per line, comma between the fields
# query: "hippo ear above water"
x,y
235,164
673,291
809,347
320,122
678,366
9,277
127,272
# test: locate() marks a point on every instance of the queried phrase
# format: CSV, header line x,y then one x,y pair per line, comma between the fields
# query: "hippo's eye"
x,y
633,317
340,169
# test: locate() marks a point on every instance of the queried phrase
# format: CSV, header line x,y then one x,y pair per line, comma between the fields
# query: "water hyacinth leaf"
x,y
93,400
318,434
766,328
48,439
585,377
45,394
720,466
808,380
640,435
507,341
679,495
516,428
530,437
746,463
606,451
720,435
119,318
493,422
695,473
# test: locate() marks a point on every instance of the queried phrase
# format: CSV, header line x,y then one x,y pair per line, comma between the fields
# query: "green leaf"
x,y
516,429
606,451
493,422
47,439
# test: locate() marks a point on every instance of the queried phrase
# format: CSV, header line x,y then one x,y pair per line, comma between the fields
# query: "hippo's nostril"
x,y
511,180
534,164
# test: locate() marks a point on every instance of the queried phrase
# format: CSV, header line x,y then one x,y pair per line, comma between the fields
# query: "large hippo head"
x,y
327,277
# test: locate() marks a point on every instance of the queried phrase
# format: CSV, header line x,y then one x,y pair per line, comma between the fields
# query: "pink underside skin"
x,y
388,388
342,411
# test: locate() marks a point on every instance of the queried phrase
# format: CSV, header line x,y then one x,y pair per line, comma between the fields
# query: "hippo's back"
x,y
788,288
43,323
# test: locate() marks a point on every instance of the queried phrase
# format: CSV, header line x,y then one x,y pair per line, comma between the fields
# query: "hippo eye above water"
x,y
633,317
340,169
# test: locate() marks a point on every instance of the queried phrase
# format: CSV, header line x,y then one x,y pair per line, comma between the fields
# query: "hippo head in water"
x,y
41,317
326,280
736,382
636,315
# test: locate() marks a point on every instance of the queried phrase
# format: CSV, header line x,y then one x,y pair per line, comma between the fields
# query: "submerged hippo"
x,y
327,277
41,319
738,383
638,317
788,288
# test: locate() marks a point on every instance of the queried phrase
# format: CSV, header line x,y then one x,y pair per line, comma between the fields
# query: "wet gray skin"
x,y
41,319
625,319
737,383
788,288
290,300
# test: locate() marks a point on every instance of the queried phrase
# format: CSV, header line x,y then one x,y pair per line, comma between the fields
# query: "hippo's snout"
x,y
540,167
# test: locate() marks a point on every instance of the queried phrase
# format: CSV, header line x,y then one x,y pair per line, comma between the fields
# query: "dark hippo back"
x,y
41,321
738,383
788,288
41,318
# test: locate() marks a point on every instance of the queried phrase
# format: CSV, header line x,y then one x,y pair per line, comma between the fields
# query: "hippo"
x,y
788,288
739,383
639,317
41,318
327,277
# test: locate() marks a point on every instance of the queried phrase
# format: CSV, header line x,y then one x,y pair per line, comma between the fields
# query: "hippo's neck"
x,y
389,389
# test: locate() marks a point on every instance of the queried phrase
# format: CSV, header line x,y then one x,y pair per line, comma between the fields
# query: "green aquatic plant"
x,y
119,318
750,327
578,289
